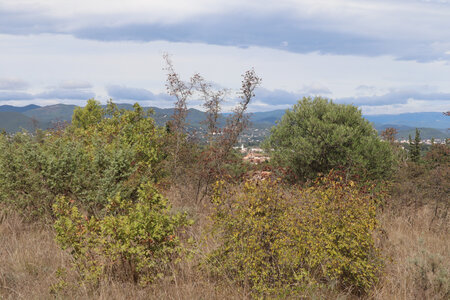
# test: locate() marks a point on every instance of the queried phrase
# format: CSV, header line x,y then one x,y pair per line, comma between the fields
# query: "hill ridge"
x,y
432,123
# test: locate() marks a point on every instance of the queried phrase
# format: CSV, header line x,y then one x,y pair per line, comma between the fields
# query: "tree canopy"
x,y
318,135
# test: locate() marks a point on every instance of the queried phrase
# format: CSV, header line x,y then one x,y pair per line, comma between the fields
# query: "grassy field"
x,y
416,245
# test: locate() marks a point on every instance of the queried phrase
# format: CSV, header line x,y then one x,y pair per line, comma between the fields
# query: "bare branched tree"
x,y
218,152
221,141
212,101
239,120
182,91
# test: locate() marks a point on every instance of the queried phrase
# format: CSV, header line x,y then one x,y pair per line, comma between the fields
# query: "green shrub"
x,y
279,242
134,240
318,135
89,161
21,184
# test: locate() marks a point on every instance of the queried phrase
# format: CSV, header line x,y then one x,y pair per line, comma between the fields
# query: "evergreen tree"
x,y
414,147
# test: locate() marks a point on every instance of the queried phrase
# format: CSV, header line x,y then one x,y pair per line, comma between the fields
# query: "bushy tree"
x,y
318,135
280,241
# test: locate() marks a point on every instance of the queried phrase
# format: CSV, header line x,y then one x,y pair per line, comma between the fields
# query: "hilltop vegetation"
x,y
113,205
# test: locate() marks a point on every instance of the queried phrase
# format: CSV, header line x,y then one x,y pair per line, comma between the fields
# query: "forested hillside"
x,y
432,125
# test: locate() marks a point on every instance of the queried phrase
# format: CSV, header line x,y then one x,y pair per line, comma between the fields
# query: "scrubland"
x,y
414,242
112,206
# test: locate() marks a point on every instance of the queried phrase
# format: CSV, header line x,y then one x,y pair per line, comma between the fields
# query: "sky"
x,y
386,57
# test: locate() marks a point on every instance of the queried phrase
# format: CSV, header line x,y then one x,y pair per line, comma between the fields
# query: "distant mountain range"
x,y
13,119
424,119
10,108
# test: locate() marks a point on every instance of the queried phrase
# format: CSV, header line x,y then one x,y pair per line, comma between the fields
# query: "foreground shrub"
x,y
132,241
89,161
279,242
21,185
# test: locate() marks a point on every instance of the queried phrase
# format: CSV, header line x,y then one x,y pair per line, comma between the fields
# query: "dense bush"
x,y
21,184
277,241
89,161
134,240
97,178
318,135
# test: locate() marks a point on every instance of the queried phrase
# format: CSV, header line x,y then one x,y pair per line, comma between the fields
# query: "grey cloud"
x,y
127,93
282,97
12,84
279,30
394,97
15,95
276,97
65,94
316,89
28,21
51,94
75,85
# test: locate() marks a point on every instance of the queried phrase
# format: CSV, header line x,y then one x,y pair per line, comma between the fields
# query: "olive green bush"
x,y
279,242
318,135
97,179
21,184
95,158
134,240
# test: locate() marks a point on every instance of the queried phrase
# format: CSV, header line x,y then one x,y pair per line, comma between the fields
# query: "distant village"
x,y
253,155
426,142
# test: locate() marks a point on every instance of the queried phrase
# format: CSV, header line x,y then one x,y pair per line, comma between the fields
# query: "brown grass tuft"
x,y
419,257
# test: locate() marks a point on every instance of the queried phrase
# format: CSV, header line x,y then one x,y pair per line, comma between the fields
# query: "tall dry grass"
x,y
29,259
31,264
418,256
415,244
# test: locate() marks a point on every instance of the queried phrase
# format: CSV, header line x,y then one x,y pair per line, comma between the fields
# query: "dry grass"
x,y
30,260
418,265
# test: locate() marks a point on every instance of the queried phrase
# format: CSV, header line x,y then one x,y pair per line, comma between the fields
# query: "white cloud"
x,y
114,12
61,61
315,88
75,85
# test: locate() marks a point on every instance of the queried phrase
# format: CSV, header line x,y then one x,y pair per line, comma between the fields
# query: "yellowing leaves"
x,y
273,239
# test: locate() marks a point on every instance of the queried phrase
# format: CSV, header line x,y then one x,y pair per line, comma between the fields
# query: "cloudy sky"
x,y
386,56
